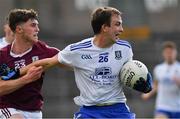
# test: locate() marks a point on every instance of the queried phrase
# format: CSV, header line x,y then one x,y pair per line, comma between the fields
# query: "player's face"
x,y
115,28
30,30
169,55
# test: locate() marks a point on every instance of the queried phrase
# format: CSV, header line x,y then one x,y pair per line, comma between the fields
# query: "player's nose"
x,y
121,29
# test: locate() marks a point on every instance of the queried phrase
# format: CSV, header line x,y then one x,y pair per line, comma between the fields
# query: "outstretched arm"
x,y
177,81
45,63
10,86
7,73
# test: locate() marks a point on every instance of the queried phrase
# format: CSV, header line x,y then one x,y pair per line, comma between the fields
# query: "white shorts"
x,y
5,113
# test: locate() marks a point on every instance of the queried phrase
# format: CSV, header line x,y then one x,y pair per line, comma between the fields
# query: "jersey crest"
x,y
35,58
118,55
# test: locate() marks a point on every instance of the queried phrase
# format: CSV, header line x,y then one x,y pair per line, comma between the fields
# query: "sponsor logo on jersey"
x,y
103,71
103,76
35,58
86,56
118,55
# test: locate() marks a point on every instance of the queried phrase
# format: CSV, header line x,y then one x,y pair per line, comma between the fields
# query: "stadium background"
x,y
147,23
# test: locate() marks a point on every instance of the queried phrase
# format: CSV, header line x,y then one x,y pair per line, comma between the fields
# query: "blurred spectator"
x,y
8,38
167,84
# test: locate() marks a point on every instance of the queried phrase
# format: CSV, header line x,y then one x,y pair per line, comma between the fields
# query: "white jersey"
x,y
96,70
3,42
168,96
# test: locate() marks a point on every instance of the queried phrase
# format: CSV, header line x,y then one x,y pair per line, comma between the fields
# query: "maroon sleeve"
x,y
4,54
0,56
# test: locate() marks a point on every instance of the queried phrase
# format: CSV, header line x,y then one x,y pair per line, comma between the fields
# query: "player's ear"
x,y
104,28
19,29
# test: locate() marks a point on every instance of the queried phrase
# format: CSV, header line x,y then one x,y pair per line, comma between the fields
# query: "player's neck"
x,y
101,41
170,62
20,46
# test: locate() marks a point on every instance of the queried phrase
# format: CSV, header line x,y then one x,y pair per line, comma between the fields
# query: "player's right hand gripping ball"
x,y
7,73
134,74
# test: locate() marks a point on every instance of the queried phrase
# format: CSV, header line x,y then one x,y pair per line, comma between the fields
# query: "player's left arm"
x,y
177,80
142,85
151,93
45,63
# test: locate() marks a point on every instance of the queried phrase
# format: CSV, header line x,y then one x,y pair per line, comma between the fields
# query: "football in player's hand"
x,y
132,73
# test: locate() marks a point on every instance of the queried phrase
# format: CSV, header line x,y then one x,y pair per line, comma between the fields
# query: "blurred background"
x,y
147,24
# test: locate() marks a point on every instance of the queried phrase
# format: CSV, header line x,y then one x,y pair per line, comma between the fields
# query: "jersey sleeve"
x,y
126,48
0,57
130,53
68,57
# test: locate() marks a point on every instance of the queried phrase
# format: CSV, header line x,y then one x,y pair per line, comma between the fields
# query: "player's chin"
x,y
116,37
35,39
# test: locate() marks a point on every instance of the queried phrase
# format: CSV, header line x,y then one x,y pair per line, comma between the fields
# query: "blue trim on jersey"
x,y
122,41
81,47
86,44
119,110
169,114
81,44
125,43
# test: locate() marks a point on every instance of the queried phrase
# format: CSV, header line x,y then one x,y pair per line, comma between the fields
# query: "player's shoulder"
x,y
6,48
42,48
178,63
83,44
42,45
4,51
123,43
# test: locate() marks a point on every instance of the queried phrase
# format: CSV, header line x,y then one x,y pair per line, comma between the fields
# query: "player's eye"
x,y
34,24
117,23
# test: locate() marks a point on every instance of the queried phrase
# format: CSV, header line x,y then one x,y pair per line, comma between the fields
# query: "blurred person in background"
x,y
9,35
97,62
167,84
22,98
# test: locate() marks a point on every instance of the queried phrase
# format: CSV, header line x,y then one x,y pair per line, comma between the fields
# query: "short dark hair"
x,y
169,44
102,16
18,16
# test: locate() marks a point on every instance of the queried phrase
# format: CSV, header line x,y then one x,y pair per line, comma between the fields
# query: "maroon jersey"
x,y
29,97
